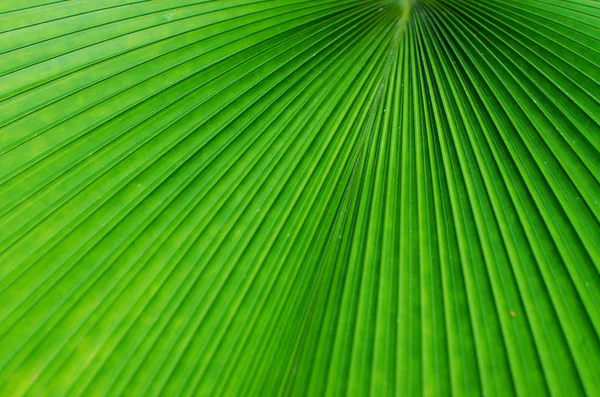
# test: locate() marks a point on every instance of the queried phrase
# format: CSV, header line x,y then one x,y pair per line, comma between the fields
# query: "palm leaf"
x,y
299,197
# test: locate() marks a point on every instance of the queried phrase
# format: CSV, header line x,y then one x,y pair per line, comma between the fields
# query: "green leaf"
x,y
300,197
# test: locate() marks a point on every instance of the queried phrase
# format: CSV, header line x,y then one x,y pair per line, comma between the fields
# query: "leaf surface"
x,y
300,197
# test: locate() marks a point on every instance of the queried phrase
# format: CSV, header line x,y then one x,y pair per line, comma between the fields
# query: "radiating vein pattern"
x,y
300,197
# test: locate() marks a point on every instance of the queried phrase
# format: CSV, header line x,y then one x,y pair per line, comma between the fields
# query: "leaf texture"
x,y
300,197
